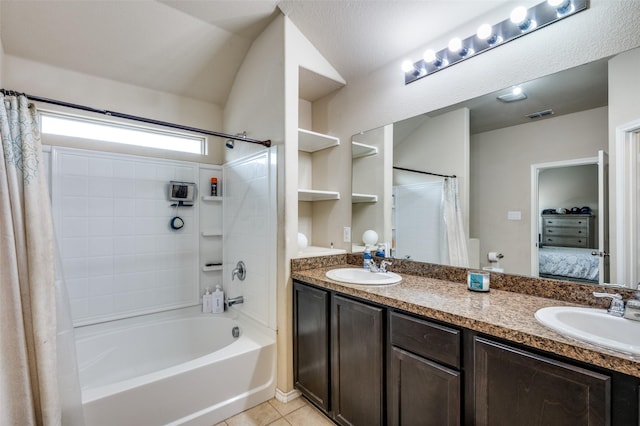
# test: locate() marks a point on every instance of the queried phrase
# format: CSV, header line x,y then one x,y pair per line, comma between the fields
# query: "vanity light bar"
x,y
521,22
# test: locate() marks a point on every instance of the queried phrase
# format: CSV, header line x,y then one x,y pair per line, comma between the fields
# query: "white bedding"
x,y
569,262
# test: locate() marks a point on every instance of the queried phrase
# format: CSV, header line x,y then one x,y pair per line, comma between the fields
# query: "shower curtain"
x,y
456,239
28,362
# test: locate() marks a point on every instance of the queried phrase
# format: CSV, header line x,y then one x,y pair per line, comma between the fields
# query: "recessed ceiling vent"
x,y
540,114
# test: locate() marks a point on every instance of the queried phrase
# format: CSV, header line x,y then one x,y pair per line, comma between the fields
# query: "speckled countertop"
x,y
504,314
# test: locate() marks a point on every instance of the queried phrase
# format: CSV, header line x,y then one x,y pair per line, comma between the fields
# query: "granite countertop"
x,y
498,313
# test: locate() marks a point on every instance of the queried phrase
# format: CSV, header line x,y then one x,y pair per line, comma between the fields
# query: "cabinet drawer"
x,y
426,339
569,231
566,241
567,221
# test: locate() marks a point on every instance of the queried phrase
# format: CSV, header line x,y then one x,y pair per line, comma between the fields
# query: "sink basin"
x,y
362,276
594,326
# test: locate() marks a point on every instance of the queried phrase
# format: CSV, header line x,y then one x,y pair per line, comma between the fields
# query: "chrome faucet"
x,y
384,264
617,304
234,300
240,271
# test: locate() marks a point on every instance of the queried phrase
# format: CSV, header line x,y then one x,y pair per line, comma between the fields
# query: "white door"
x,y
603,216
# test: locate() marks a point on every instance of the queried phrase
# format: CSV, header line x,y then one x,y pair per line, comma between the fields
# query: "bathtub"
x,y
173,369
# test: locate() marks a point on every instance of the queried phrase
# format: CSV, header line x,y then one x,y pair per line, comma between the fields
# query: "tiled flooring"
x,y
298,412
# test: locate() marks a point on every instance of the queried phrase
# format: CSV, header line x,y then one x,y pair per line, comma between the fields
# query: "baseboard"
x,y
285,397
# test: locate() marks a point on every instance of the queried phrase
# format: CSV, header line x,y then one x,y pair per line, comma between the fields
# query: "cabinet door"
x,y
311,343
422,392
517,387
357,362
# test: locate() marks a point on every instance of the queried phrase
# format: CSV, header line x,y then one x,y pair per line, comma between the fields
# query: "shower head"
x,y
230,143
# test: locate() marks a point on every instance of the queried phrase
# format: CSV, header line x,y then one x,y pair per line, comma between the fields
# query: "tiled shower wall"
x,y
120,257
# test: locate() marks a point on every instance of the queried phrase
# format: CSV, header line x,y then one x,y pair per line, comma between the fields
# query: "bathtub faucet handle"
x,y
240,271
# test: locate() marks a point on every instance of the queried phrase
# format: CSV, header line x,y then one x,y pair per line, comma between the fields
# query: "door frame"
x,y
627,143
535,217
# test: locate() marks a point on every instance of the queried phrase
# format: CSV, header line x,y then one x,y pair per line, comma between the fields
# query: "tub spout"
x,y
234,300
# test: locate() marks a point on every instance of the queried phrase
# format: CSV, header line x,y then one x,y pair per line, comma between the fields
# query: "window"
x,y
102,130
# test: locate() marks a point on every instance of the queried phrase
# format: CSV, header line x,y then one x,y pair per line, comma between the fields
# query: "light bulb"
x,y
517,90
556,3
518,15
407,66
429,56
455,44
484,31
562,6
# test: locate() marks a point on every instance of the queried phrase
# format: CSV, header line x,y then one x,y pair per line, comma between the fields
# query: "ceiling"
x,y
194,48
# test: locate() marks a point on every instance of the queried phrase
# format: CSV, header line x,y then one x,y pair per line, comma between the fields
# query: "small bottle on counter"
x,y
367,258
214,187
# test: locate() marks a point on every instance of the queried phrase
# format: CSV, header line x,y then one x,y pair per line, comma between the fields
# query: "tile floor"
x,y
298,412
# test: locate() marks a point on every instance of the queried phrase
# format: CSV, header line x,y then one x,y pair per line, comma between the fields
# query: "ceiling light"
x,y
490,36
516,94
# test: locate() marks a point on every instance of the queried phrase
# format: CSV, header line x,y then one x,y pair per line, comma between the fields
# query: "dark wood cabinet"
x,y
513,386
423,391
357,362
311,343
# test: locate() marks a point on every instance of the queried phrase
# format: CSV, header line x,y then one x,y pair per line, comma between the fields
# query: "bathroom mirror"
x,y
490,146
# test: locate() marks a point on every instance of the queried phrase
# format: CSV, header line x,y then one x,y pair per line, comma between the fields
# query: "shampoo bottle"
x,y
206,302
218,301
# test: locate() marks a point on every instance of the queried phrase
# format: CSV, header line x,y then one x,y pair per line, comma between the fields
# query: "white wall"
x,y
500,177
606,28
42,80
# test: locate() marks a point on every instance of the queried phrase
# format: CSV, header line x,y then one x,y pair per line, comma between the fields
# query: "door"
x,y
603,218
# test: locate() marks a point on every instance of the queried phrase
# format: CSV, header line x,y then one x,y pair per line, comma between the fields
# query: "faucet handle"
x,y
617,304
384,264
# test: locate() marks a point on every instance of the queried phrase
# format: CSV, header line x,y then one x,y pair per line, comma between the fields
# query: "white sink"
x,y
362,276
593,326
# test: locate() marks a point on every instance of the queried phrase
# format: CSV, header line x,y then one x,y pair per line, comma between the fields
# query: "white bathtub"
x,y
173,369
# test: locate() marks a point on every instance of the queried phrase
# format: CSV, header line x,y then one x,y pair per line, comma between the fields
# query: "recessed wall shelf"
x,y
309,141
211,233
359,150
315,195
211,198
212,268
364,198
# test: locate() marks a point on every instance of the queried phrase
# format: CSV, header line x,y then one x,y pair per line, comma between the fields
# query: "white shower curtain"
x,y
28,363
456,239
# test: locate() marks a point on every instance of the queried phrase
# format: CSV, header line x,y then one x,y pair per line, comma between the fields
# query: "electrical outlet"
x,y
347,234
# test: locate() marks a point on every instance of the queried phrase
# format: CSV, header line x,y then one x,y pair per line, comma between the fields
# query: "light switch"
x,y
347,234
514,215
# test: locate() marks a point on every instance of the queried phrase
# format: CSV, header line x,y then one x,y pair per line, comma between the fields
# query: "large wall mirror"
x,y
531,170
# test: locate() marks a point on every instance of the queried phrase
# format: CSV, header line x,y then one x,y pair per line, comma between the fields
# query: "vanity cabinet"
x,y
510,383
339,355
311,343
366,364
357,362
425,382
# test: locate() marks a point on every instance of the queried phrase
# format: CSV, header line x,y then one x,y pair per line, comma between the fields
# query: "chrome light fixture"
x,y
521,21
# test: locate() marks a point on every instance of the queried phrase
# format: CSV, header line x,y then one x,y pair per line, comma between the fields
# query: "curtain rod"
x,y
425,173
266,143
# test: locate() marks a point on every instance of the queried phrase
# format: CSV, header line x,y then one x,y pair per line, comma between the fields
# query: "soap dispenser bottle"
x,y
367,258
218,301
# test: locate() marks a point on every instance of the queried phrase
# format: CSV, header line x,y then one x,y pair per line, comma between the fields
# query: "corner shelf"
x,y
211,198
315,195
309,141
364,198
359,150
212,268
